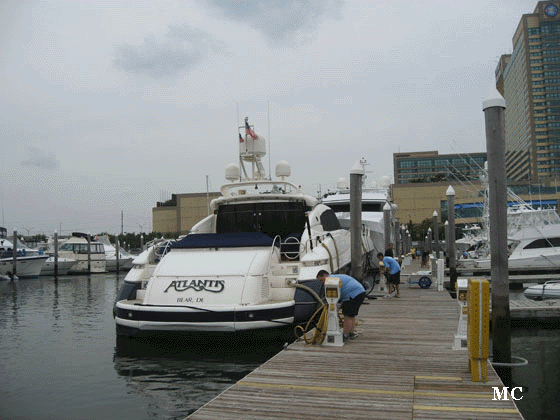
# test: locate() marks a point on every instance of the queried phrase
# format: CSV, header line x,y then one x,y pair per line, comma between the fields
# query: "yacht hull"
x,y
64,266
134,316
26,267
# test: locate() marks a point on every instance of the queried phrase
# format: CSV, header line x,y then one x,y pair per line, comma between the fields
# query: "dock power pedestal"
x,y
332,291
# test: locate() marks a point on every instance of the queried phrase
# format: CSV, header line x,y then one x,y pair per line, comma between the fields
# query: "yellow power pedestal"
x,y
478,328
332,291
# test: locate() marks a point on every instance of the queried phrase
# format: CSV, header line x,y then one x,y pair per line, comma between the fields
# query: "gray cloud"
x,y
38,158
280,19
182,48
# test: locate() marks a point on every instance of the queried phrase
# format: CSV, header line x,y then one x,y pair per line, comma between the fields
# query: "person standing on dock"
x,y
393,274
352,295
389,251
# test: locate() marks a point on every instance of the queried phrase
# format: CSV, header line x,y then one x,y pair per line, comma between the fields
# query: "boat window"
x,y
543,243
83,248
280,218
329,221
66,247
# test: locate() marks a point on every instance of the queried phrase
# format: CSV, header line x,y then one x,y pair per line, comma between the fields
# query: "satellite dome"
x,y
342,184
232,172
283,169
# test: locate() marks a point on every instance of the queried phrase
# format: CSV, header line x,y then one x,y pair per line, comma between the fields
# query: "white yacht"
x,y
78,247
374,198
28,262
535,247
249,266
533,236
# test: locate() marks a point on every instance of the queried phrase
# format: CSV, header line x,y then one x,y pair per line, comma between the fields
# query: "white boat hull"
x,y
26,267
64,266
81,267
140,318
124,264
526,262
225,290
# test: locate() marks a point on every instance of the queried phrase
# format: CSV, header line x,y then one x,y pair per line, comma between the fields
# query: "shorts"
x,y
394,278
352,306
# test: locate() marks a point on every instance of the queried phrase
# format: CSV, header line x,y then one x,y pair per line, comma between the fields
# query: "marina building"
x,y
181,212
422,180
421,167
529,81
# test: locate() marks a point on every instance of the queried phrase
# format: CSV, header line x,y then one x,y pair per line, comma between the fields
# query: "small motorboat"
x,y
548,290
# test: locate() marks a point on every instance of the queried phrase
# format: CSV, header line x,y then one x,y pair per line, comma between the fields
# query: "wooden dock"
x,y
401,366
529,310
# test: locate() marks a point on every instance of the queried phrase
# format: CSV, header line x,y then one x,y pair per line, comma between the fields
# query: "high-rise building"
x,y
426,167
529,81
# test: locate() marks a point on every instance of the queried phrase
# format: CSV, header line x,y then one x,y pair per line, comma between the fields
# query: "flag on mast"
x,y
249,130
241,138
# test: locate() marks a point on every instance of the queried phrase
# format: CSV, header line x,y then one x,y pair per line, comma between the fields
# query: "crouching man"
x,y
352,295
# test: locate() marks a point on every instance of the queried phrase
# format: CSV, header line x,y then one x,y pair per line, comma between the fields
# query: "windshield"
x,y
277,218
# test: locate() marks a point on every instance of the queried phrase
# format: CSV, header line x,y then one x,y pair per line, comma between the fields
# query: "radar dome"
x,y
385,181
232,172
283,169
252,147
342,184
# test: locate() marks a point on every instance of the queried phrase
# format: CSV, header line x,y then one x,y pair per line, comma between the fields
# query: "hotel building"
x,y
529,81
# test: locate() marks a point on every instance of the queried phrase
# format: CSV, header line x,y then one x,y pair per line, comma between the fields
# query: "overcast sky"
x,y
110,106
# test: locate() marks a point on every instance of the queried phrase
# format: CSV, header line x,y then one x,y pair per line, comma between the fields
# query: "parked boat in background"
x,y
29,262
248,267
548,290
64,266
374,198
78,248
533,237
531,248
125,259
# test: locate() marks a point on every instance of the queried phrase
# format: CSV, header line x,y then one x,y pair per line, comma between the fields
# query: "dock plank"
x,y
401,366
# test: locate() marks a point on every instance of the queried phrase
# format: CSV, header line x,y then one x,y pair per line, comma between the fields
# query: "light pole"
x,y
429,236
436,233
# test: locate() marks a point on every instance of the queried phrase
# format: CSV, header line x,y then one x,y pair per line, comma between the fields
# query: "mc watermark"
x,y
503,394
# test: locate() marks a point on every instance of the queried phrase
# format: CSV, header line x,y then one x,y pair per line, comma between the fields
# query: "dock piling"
x,y
356,175
494,110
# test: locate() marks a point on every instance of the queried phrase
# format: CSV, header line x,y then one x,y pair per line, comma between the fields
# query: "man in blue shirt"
x,y
393,274
352,295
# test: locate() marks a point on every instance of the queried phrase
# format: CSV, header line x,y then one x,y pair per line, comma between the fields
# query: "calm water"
x,y
60,360
540,379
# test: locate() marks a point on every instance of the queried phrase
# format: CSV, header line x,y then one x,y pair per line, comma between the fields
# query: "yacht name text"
x,y
215,286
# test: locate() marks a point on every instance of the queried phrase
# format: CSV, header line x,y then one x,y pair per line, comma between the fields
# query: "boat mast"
x,y
252,149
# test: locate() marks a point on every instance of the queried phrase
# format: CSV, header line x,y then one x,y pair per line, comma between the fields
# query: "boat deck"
x,y
401,366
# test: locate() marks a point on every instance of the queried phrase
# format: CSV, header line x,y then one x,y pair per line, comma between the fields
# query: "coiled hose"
x,y
322,323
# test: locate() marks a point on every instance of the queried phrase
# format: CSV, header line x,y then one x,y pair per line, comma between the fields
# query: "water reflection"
x,y
540,379
178,376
